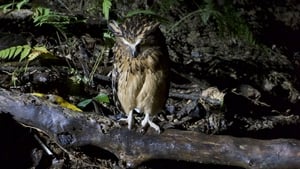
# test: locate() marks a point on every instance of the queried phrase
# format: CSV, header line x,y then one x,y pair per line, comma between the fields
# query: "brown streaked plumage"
x,y
141,68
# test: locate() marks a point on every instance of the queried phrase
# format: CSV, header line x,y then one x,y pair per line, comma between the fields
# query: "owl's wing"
x,y
115,78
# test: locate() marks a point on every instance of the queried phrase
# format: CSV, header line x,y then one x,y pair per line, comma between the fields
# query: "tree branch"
x,y
71,129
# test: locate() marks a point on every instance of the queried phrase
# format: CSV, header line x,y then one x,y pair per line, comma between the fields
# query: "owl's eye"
x,y
148,41
142,45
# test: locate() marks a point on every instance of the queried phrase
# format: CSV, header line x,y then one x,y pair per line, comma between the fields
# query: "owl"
x,y
140,78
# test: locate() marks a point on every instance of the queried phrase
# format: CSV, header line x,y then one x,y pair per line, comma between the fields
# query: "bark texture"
x,y
71,129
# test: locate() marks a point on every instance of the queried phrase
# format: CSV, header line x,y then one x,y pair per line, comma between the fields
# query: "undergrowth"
x,y
226,18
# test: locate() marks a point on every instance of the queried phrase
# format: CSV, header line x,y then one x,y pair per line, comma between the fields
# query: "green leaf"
x,y
12,50
18,51
42,49
25,52
33,54
139,11
1,54
20,4
41,15
106,5
4,53
107,35
205,15
102,98
46,11
6,7
84,103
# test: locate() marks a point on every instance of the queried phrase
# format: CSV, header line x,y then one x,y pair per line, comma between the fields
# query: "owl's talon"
x,y
147,120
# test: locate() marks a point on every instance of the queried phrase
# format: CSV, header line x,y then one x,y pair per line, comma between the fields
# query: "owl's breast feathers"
x,y
142,82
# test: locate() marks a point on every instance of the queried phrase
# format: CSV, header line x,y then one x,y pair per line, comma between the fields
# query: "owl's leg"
x,y
147,120
130,119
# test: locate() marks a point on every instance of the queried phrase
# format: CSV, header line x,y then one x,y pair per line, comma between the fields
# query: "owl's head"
x,y
136,34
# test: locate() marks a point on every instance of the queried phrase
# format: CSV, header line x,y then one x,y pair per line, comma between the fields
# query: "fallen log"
x,y
71,129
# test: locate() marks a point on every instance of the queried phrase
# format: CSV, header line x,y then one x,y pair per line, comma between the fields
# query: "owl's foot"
x,y
128,120
147,120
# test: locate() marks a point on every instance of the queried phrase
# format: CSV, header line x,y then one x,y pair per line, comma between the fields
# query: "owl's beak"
x,y
133,51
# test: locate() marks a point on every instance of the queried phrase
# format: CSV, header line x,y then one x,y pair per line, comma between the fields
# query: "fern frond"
x,y
22,3
13,5
140,11
37,51
13,52
106,5
24,52
4,54
18,51
7,7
